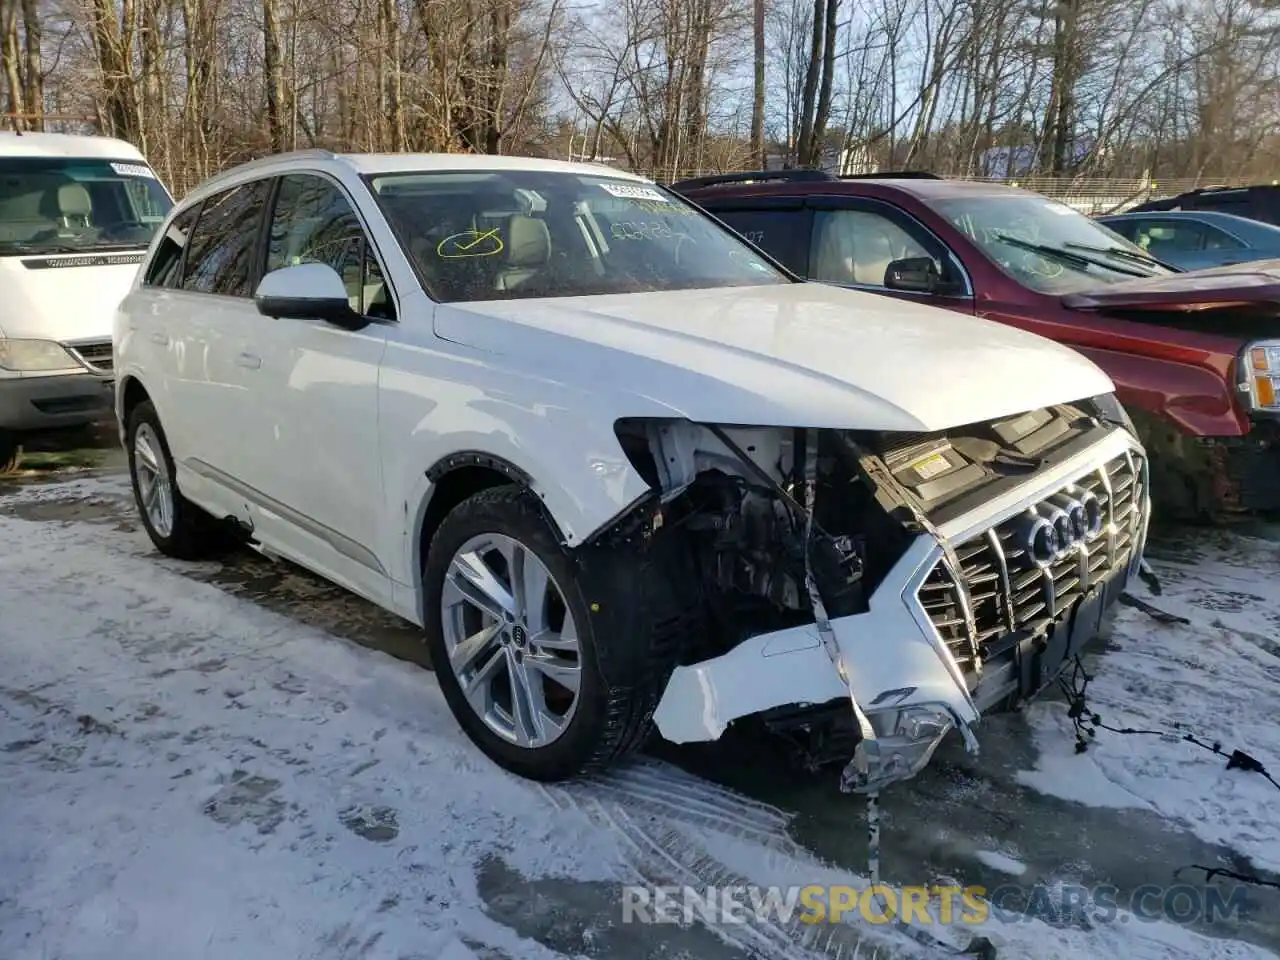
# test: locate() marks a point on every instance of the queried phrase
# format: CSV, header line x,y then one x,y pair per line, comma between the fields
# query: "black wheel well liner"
x,y
134,394
461,475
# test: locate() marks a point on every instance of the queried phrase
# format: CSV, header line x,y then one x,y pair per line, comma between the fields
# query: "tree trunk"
x,y
499,52
394,84
273,67
817,138
113,44
808,99
33,68
757,99
10,57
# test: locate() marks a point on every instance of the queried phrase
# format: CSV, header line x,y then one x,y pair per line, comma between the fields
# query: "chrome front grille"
x,y
97,355
1002,589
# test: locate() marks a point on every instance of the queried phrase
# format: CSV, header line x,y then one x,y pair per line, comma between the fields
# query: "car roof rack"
x,y
893,175
753,176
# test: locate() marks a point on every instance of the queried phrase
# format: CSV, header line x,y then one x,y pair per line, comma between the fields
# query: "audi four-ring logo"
x,y
1060,526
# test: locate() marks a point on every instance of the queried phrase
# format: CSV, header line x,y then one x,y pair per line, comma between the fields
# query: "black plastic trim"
x,y
749,176
474,458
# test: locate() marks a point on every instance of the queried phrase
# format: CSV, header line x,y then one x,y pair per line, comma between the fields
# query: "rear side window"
x,y
165,269
783,234
1176,236
857,246
221,256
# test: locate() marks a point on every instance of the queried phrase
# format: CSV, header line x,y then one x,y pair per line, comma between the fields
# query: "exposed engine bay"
x,y
743,496
794,527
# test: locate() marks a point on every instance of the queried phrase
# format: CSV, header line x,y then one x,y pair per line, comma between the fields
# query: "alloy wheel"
x,y
511,640
155,486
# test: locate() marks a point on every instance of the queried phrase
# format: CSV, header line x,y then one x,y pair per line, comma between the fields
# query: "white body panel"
x,y
67,145
809,354
66,304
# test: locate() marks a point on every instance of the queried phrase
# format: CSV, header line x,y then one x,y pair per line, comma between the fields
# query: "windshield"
x,y
521,234
63,205
1046,245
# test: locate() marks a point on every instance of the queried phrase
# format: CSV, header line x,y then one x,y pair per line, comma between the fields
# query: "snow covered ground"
x,y
185,774
1217,678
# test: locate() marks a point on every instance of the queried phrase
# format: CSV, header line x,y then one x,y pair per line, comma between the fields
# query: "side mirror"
x,y
307,291
914,275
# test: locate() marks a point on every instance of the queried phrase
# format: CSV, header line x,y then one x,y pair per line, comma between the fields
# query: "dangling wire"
x,y
1087,723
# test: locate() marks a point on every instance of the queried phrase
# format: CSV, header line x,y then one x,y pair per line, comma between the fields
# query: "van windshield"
x,y
499,235
71,205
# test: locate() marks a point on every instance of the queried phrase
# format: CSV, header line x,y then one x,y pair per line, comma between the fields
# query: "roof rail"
x,y
751,176
269,159
893,175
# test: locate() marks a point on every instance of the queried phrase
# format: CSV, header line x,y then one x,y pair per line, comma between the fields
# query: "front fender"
x,y
1196,400
561,438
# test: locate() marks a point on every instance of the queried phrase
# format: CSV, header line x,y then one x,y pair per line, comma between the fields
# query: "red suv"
x,y
1195,356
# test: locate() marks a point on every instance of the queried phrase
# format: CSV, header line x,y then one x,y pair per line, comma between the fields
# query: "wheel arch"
x,y
129,393
455,478
132,393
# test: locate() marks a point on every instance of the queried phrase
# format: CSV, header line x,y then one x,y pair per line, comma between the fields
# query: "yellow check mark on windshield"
x,y
463,245
487,235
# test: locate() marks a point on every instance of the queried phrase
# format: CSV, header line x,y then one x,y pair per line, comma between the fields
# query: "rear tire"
x,y
177,527
622,659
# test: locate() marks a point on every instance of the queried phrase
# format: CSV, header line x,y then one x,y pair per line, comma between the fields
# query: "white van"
x,y
76,215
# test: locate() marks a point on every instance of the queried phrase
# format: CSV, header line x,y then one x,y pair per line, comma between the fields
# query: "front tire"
x,y
177,527
519,651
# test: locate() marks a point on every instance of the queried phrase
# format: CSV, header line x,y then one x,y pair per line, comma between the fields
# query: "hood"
x,y
1256,282
64,297
802,354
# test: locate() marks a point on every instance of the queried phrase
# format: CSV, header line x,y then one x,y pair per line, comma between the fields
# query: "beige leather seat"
x,y
69,204
527,248
833,253
875,253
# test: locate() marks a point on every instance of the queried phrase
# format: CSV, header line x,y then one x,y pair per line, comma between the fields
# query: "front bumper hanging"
x,y
902,665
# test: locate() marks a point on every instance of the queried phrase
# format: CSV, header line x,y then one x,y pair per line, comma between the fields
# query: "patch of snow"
x,y
96,489
1016,937
999,861
1217,678
1060,772
188,775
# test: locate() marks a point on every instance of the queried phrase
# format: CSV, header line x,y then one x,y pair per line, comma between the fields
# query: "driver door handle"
x,y
249,360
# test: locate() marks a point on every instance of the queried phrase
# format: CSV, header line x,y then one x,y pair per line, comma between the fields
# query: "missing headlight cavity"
x,y
738,499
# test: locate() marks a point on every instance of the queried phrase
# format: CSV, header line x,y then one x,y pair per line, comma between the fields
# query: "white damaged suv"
x,y
624,471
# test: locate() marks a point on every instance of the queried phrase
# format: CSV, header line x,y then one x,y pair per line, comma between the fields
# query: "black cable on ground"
x,y
1087,724
1211,872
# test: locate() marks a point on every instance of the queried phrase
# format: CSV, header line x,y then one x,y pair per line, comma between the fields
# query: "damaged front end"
x,y
865,594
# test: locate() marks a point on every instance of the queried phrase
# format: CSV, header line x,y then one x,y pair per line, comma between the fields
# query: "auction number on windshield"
x,y
640,230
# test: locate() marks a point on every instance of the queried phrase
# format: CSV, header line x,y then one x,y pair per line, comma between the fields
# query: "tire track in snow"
x,y
650,806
